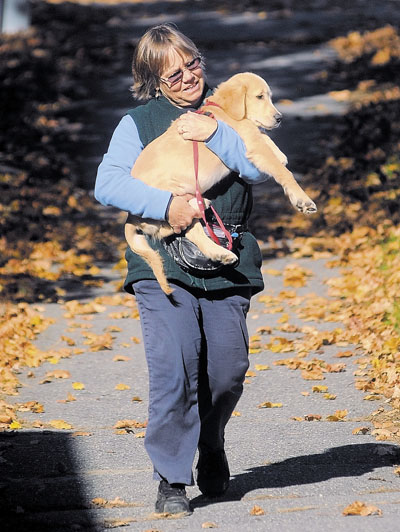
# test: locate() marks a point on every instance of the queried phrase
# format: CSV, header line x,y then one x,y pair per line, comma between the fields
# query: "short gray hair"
x,y
152,54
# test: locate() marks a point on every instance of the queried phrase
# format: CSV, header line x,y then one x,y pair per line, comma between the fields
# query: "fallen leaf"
x,y
312,417
330,396
58,374
136,399
261,367
78,386
360,508
320,388
121,358
361,430
60,424
344,354
272,271
257,510
81,433
265,329
122,386
99,501
339,415
130,423
209,524
268,404
98,342
68,340
372,397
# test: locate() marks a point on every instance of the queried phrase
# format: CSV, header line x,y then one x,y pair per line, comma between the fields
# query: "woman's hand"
x,y
180,213
193,126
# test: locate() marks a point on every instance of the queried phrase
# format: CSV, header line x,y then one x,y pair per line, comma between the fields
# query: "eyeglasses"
x,y
178,75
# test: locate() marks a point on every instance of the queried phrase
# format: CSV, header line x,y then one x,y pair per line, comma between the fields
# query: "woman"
x,y
196,342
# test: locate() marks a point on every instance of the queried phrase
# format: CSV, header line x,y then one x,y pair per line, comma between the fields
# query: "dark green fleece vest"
x,y
232,199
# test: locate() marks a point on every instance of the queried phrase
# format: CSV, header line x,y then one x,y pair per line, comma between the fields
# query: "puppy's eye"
x,y
260,96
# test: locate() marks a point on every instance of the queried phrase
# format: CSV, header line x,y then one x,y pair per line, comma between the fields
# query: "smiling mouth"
x,y
192,86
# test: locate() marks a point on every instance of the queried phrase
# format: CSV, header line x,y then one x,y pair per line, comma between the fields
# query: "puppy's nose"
x,y
278,118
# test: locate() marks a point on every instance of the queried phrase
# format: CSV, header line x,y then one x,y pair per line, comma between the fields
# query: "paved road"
x,y
301,473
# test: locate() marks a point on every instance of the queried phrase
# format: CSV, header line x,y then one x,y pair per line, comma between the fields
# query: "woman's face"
x,y
187,91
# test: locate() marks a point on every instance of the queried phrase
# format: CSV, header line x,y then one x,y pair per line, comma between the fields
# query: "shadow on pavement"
x,y
40,486
345,461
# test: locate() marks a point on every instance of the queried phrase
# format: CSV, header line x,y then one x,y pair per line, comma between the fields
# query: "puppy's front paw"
x,y
306,207
301,202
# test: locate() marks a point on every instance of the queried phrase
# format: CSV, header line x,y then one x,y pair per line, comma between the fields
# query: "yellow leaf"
x,y
121,358
344,354
235,413
271,271
58,374
257,510
312,417
99,501
360,508
70,341
268,404
78,386
320,388
140,434
137,399
122,386
113,328
284,318
130,424
329,396
261,367
209,524
15,425
372,397
60,424
361,430
339,415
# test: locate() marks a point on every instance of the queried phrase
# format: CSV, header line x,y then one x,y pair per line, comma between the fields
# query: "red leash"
x,y
199,197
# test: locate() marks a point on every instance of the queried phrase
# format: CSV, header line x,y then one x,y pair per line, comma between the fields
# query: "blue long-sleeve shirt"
x,y
116,187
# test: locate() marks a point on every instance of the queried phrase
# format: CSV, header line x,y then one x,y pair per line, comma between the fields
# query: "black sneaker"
x,y
172,499
212,472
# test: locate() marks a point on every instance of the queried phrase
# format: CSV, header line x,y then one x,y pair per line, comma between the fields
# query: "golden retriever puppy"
x,y
244,103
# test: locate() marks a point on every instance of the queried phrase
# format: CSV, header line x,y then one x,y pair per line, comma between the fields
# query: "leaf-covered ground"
x,y
54,235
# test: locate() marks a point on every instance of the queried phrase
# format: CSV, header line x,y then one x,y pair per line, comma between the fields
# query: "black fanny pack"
x,y
188,256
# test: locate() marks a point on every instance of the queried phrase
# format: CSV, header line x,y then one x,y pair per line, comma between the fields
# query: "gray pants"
x,y
196,346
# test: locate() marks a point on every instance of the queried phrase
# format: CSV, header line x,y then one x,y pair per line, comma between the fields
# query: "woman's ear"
x,y
231,96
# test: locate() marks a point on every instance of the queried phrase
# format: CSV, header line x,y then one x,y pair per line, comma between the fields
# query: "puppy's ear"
x,y
231,96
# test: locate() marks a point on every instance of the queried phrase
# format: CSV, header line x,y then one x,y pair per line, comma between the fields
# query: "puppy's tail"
x,y
138,244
